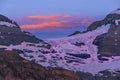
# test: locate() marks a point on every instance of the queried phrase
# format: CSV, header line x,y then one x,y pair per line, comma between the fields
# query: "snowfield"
x,y
65,54
75,53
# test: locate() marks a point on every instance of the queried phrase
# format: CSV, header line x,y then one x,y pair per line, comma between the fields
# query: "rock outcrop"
x,y
109,19
14,67
108,43
11,34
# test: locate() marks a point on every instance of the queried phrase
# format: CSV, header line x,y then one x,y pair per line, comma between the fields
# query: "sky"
x,y
56,18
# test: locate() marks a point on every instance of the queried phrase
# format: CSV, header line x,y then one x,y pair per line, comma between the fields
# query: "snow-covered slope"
x,y
66,54
76,53
66,48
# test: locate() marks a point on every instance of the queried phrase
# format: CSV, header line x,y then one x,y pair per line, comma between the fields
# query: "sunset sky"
x,y
56,18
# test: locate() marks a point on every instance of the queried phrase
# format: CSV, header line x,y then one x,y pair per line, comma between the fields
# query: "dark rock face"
x,y
109,19
6,19
79,44
3,18
108,43
16,37
13,34
83,55
102,75
76,32
14,67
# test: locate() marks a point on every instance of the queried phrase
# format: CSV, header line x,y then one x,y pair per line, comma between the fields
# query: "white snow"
x,y
117,21
7,24
64,46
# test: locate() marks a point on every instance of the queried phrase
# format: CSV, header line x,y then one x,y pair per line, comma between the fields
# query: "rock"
x,y
14,67
108,43
76,32
109,19
11,34
82,55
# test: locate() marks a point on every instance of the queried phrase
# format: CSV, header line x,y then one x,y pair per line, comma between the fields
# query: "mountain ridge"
x,y
80,52
11,34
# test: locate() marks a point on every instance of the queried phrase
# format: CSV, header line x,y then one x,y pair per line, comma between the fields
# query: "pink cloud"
x,y
44,25
54,21
51,17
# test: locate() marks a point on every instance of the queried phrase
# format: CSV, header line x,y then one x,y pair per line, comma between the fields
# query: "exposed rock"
x,y
10,33
76,32
108,43
109,19
82,55
6,19
79,44
102,75
14,67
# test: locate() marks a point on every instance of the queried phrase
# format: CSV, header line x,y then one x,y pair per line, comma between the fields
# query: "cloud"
x,y
54,21
44,25
50,17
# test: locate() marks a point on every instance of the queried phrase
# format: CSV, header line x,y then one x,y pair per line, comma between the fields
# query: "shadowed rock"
x,y
14,67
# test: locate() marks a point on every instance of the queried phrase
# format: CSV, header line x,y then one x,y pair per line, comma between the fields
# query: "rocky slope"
x,y
109,19
10,33
109,43
76,32
14,67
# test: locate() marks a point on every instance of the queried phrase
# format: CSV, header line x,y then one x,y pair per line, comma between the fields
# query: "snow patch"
x,y
7,24
116,12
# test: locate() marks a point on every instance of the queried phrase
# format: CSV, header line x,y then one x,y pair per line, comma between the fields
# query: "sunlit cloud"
x,y
51,17
44,25
54,21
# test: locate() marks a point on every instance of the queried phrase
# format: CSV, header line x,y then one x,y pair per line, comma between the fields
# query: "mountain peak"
x,y
7,22
116,11
4,18
10,33
112,18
